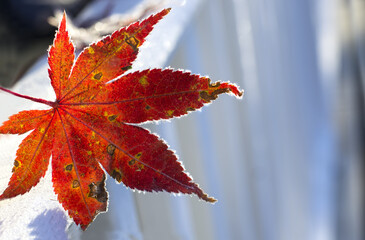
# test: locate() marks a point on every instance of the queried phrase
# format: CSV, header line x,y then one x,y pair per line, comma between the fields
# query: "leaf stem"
x,y
39,100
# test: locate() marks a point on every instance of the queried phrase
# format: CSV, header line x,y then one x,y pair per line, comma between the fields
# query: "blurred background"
x,y
285,162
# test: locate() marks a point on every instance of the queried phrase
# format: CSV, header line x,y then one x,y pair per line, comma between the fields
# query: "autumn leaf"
x,y
90,126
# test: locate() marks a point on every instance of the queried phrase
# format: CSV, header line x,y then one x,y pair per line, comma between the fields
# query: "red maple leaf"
x,y
90,124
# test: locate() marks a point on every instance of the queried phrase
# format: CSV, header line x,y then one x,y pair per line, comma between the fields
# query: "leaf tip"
x,y
236,91
203,196
84,226
163,13
231,88
62,26
2,197
209,199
